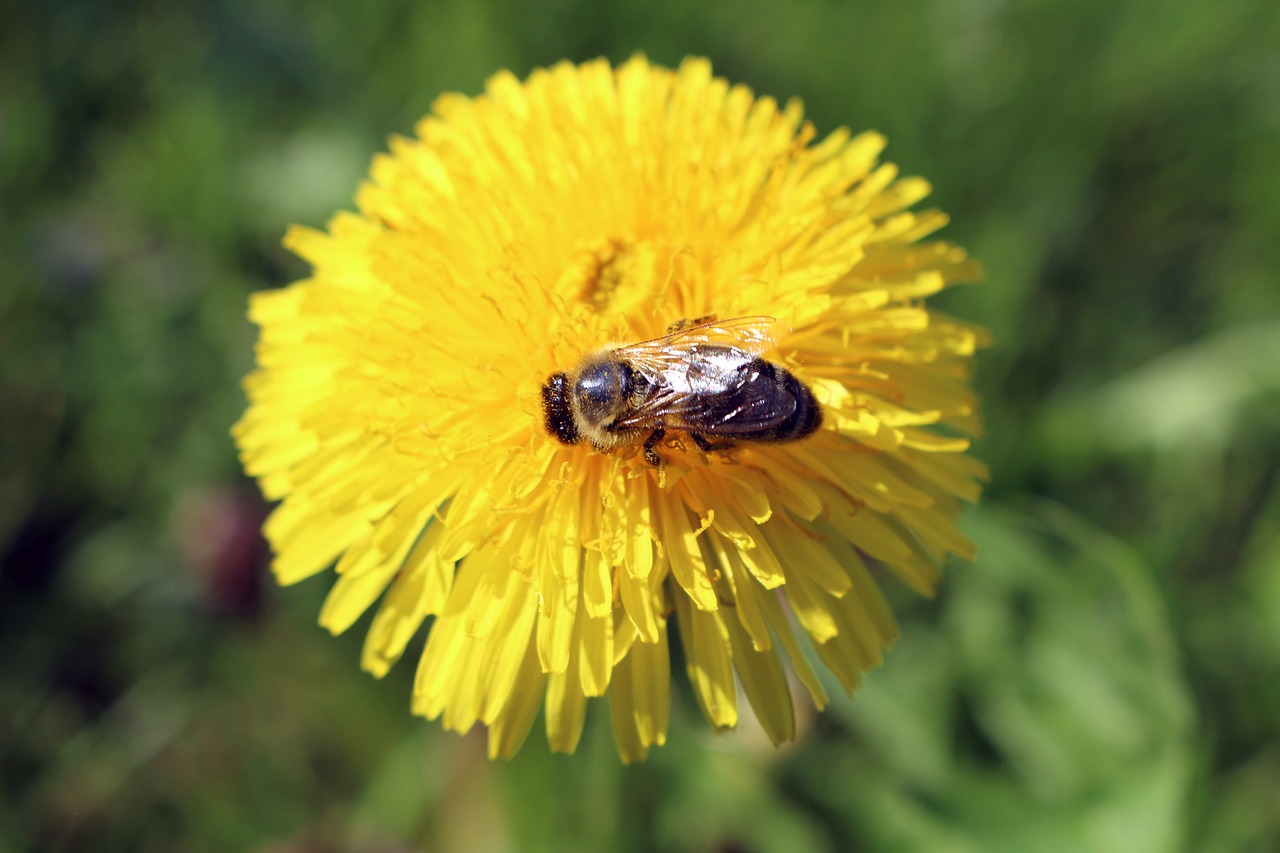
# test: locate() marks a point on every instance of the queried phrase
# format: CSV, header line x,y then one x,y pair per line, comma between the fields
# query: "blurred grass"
x,y
1104,677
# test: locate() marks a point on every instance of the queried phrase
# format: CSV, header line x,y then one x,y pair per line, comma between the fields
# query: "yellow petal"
x,y
709,664
765,684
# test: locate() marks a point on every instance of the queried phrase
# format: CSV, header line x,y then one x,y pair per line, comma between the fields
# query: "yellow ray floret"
x,y
396,413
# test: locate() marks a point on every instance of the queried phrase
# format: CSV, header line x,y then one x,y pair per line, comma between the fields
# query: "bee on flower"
x,y
604,354
706,379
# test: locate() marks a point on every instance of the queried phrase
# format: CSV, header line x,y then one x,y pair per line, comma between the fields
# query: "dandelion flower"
x,y
396,411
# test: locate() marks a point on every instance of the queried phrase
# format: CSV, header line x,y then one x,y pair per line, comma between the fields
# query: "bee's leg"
x,y
650,455
708,446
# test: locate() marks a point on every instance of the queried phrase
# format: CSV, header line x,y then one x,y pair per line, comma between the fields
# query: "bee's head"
x,y
601,390
556,411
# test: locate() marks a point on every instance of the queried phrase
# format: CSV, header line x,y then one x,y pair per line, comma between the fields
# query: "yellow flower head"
x,y
397,409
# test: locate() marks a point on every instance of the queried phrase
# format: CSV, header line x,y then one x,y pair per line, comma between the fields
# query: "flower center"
x,y
614,275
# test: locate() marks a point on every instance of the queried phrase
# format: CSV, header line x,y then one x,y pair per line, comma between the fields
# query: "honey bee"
x,y
705,378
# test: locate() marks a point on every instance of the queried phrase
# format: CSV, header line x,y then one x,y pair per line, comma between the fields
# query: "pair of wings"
x,y
702,381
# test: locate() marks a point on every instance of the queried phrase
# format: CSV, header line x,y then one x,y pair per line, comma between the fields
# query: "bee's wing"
x,y
756,404
715,389
753,336
744,409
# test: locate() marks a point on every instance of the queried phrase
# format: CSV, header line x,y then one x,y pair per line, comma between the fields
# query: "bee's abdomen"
x,y
807,416
557,411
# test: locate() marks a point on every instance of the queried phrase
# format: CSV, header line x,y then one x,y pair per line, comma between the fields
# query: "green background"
x,y
1103,677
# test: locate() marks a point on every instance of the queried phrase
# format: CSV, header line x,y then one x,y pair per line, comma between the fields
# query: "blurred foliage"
x,y
1106,676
